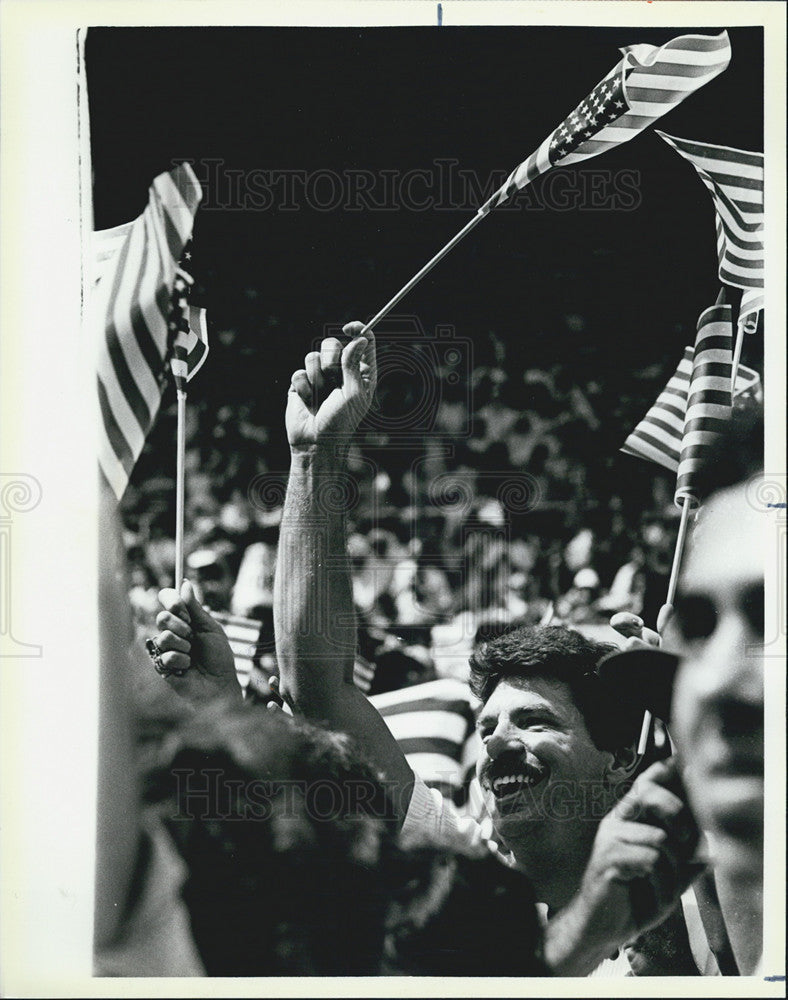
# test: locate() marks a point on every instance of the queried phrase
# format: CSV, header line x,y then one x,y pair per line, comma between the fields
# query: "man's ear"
x,y
624,762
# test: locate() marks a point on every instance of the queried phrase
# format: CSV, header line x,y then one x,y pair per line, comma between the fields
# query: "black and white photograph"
x,y
427,508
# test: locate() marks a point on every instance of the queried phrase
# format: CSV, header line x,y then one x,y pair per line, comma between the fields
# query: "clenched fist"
x,y
330,395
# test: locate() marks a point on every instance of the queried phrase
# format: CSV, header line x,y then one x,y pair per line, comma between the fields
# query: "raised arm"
x,y
313,604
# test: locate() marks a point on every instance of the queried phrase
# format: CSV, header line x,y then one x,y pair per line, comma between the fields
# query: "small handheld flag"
x,y
641,88
734,177
130,308
659,435
188,324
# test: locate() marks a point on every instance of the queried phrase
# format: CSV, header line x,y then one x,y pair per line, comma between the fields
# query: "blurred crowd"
x,y
476,499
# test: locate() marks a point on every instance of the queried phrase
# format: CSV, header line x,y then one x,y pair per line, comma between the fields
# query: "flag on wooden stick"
x,y
659,435
641,88
188,325
708,397
131,303
734,177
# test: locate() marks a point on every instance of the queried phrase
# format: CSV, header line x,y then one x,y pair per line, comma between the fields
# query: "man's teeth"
x,y
499,785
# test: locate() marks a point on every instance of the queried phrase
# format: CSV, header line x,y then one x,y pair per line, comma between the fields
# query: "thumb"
x,y
201,620
665,614
351,363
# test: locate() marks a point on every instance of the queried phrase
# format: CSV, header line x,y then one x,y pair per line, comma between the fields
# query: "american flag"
x,y
708,396
735,179
244,636
188,325
657,437
646,84
130,307
660,434
363,673
434,724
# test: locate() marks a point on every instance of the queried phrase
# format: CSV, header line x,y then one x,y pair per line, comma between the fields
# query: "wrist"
x,y
327,456
576,940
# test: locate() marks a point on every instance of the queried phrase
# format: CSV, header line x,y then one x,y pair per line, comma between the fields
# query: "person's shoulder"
x,y
432,820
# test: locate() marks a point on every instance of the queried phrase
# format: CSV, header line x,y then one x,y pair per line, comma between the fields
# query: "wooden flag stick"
x,y
680,540
667,608
180,462
645,729
736,359
481,213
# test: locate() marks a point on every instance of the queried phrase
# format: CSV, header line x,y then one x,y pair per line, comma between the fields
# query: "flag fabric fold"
x,y
659,436
245,637
708,397
434,724
130,309
647,83
188,325
734,178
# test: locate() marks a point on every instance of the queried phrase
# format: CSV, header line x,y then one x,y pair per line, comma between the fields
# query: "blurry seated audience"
x,y
210,573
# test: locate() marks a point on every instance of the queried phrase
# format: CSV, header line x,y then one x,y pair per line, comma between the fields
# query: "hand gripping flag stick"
x,y
643,86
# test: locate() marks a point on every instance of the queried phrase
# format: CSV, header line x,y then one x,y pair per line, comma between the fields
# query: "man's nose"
x,y
504,738
730,665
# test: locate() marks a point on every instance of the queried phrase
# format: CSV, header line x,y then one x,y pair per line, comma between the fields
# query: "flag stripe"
x,y
120,448
640,88
129,305
734,178
709,397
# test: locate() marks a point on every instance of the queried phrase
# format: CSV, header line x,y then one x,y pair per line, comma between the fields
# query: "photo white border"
x,y
48,704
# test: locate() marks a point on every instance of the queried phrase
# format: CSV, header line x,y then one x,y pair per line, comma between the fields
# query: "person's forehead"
x,y
728,545
533,692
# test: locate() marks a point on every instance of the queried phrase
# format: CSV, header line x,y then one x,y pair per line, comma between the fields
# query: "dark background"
x,y
612,297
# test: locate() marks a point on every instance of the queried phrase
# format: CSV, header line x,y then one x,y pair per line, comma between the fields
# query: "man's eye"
x,y
535,722
696,618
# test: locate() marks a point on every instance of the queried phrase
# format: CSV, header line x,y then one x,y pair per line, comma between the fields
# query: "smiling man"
x,y
557,750
609,860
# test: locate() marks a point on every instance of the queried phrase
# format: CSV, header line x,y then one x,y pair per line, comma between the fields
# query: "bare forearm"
x,y
315,622
569,948
313,604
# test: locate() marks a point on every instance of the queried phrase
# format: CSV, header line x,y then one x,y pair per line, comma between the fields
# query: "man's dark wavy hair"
x,y
562,654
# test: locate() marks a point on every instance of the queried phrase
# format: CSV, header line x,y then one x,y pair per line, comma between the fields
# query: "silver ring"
x,y
159,666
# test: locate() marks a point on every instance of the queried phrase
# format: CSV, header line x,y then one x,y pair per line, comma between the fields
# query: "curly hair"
x,y
286,832
562,654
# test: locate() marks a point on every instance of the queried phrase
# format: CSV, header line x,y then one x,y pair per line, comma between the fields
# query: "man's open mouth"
x,y
517,781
